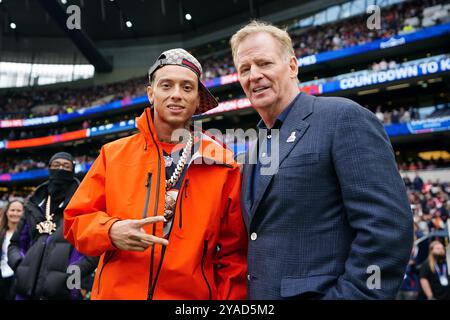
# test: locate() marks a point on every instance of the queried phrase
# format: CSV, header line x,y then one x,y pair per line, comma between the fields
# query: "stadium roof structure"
x,y
104,21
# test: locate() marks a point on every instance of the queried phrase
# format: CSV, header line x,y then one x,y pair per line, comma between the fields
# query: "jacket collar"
x,y
145,126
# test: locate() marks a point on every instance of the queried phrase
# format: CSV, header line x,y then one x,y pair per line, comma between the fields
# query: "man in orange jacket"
x,y
164,216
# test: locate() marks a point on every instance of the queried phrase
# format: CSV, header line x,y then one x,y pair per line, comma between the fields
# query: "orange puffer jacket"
x,y
206,255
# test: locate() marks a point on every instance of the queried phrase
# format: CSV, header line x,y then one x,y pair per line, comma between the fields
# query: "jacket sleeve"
x,y
231,257
376,206
19,244
86,222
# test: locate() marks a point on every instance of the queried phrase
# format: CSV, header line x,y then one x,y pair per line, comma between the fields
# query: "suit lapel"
x,y
290,134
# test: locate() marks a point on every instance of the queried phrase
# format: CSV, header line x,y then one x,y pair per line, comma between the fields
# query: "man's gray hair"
x,y
281,35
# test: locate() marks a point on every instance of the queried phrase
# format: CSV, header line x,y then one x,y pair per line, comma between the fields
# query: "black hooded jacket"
x,y
41,261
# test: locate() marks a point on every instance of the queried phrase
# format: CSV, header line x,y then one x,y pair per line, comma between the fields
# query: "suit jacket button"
x,y
253,236
249,277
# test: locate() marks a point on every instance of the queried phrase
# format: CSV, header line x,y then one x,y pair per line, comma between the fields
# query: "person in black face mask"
x,y
40,274
434,278
61,175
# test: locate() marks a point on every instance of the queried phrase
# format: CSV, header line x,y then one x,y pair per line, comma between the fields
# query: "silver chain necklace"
x,y
180,165
170,197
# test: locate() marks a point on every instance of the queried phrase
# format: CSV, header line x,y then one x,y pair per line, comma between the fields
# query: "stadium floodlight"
x,y
129,24
12,25
188,17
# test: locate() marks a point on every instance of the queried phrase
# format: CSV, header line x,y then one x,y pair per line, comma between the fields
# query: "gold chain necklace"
x,y
47,226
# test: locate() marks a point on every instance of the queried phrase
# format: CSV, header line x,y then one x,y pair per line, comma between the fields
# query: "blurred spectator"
x,y
387,117
9,220
85,124
383,65
410,287
44,276
395,116
434,278
405,115
392,64
418,183
379,114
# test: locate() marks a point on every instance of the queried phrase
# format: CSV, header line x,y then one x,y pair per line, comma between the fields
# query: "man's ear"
x,y
293,67
150,94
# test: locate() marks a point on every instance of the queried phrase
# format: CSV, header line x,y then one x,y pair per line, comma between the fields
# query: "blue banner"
x,y
110,128
406,70
419,126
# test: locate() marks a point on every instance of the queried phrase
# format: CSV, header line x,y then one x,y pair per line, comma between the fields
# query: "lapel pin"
x,y
291,137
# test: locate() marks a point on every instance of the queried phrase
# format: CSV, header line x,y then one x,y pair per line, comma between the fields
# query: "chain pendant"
x,y
47,226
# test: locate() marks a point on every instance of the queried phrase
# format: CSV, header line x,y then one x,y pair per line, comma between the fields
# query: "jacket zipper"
x,y
205,250
101,270
148,185
155,212
163,252
180,222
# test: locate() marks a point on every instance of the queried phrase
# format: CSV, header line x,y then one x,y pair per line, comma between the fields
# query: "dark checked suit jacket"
x,y
334,222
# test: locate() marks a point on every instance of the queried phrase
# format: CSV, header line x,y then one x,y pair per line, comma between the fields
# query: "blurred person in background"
x,y
410,287
418,182
38,253
379,114
8,222
434,278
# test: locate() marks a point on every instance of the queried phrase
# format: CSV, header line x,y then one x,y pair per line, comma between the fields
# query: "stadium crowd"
x,y
402,114
430,205
22,133
399,18
11,166
47,102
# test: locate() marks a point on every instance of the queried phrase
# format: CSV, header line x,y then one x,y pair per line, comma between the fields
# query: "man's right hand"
x,y
130,235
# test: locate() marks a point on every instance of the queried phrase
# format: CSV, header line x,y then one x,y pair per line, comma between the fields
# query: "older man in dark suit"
x,y
333,220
